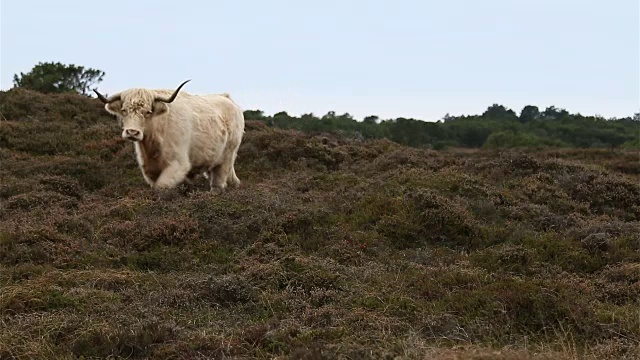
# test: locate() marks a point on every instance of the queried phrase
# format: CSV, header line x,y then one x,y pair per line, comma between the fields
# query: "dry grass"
x,y
331,249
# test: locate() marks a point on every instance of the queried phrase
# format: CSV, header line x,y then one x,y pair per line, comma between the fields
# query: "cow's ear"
x,y
159,108
115,107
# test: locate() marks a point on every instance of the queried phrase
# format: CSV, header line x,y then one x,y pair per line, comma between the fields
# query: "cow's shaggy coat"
x,y
177,135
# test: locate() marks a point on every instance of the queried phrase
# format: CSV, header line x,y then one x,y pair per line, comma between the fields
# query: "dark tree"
x,y
372,119
553,113
529,113
50,77
253,114
499,112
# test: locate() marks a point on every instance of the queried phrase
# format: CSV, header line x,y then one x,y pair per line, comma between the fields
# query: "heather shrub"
x,y
142,235
40,138
62,185
607,194
89,173
510,258
137,341
12,186
294,151
226,290
38,200
26,105
444,219
521,307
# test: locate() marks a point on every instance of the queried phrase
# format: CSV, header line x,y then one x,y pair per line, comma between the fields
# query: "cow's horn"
x,y
173,96
104,99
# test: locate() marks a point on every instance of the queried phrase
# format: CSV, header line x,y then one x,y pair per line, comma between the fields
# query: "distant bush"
x,y
632,144
511,139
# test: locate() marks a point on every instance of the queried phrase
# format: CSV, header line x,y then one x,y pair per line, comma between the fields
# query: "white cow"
x,y
178,135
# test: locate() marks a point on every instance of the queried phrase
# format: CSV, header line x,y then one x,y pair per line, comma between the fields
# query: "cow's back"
x,y
216,125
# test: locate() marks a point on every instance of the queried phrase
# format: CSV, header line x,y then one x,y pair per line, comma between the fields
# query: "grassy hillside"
x,y
333,248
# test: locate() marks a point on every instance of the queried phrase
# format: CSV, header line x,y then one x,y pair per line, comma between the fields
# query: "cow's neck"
x,y
150,157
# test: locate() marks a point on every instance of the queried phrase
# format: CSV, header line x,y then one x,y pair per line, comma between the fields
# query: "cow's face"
x,y
136,108
135,115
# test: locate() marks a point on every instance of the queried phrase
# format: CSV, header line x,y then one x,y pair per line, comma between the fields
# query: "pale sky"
x,y
418,59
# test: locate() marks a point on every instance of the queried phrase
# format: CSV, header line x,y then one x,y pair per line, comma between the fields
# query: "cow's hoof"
x,y
216,191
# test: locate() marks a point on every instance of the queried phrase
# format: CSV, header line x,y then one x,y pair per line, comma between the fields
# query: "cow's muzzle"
x,y
132,134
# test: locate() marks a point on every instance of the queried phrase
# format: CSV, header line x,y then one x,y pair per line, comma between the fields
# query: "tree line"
x,y
497,127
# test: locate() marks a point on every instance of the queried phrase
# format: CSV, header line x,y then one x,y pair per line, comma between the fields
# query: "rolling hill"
x,y
333,248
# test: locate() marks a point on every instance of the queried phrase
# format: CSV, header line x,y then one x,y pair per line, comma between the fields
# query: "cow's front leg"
x,y
172,175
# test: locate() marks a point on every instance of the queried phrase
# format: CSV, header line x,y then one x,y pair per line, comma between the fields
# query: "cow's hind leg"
x,y
232,179
217,183
222,176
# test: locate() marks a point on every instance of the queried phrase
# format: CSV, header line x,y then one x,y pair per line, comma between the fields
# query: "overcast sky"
x,y
419,58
